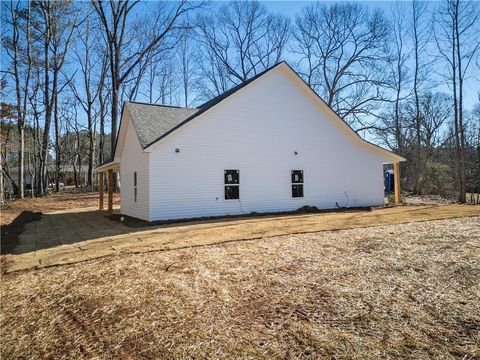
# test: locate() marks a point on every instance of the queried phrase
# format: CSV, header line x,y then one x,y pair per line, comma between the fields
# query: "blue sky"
x,y
291,8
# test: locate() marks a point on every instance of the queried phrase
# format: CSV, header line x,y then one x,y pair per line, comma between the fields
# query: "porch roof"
x,y
112,165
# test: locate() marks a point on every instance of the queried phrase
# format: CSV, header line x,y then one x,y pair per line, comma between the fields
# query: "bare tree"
x,y
62,37
188,68
458,44
215,78
18,48
55,28
126,54
398,62
241,39
420,35
102,105
343,54
45,8
89,66
35,114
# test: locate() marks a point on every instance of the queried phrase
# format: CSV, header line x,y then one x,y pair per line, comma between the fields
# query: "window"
x,y
135,186
297,183
232,184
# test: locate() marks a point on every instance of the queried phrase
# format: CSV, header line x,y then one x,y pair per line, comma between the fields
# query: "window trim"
x,y
297,183
224,185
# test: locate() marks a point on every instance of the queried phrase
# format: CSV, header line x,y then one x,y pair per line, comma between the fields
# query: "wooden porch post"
x,y
396,176
100,189
110,190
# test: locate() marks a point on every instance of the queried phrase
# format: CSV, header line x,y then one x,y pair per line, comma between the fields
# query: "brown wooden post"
x,y
396,176
110,190
100,189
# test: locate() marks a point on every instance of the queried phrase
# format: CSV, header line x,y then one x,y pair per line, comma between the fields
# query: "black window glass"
x,y
297,176
232,177
232,192
297,190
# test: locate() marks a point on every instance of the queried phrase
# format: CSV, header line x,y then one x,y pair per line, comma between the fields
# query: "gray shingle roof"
x,y
154,121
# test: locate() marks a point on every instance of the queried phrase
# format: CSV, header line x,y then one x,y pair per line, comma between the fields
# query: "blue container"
x,y
389,181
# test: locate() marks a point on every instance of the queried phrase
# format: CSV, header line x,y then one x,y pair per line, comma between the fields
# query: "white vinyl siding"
x,y
134,160
257,131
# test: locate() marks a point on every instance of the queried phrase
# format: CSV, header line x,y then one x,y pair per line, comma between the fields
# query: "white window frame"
x,y
297,183
225,184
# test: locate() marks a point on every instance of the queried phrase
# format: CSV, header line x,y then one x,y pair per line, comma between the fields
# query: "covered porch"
x,y
107,170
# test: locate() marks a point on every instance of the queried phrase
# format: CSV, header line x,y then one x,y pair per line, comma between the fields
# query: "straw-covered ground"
x,y
409,290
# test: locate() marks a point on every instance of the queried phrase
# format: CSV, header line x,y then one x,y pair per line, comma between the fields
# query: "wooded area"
x,y
406,78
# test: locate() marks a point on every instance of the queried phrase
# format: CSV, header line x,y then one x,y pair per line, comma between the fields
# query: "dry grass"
x,y
401,291
66,199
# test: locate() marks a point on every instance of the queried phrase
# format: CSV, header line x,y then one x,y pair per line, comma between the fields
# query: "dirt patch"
x,y
66,199
11,231
138,223
396,291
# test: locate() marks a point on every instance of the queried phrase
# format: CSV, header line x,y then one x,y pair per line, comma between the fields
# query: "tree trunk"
x,y
418,150
461,166
102,129
31,170
455,112
57,133
116,89
91,147
2,195
48,107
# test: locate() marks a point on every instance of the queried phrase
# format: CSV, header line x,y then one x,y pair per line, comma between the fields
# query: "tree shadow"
x,y
56,229
10,232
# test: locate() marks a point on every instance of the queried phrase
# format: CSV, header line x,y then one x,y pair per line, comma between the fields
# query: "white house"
x,y
268,145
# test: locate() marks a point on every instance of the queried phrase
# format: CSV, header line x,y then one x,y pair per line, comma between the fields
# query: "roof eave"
x,y
112,165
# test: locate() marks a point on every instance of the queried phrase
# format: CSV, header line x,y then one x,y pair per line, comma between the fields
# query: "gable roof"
x,y
153,122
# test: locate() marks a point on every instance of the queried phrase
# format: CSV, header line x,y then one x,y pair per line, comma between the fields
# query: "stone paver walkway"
x,y
77,226
66,237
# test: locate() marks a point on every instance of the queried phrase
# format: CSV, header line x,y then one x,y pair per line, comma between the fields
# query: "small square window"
x,y
297,190
297,176
232,176
232,192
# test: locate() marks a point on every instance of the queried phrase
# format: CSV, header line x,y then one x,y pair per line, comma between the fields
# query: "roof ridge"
x,y
161,105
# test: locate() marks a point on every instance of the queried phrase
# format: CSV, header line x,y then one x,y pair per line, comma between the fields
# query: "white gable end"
x,y
133,160
258,130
